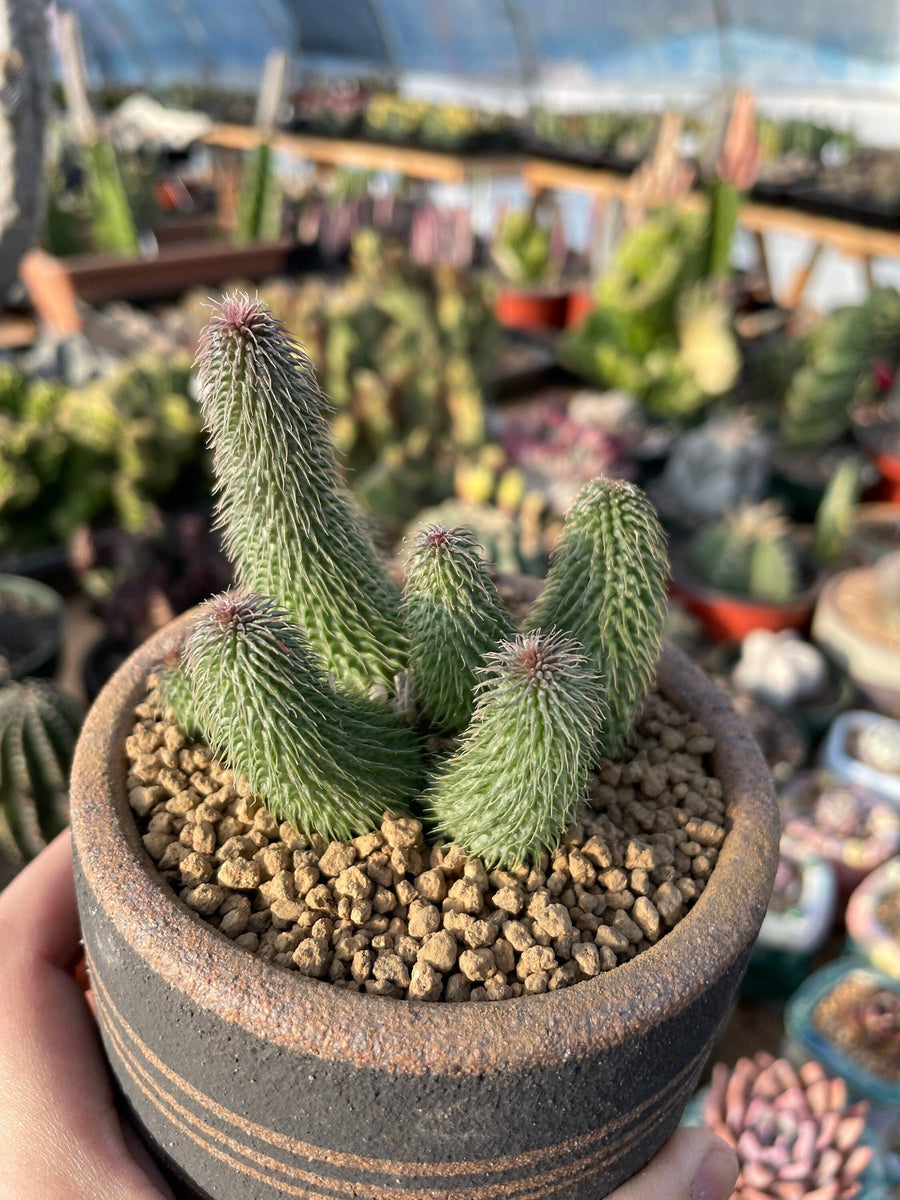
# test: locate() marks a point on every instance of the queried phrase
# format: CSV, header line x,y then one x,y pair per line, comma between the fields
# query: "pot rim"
x,y
312,1017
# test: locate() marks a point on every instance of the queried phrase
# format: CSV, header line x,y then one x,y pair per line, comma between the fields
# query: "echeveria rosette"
x,y
291,527
454,617
607,589
326,762
512,787
795,1135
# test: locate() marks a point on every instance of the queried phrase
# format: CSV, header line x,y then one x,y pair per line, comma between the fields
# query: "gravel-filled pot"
x,y
251,1082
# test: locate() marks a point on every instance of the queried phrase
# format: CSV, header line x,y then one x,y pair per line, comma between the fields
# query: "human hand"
x,y
694,1164
61,1137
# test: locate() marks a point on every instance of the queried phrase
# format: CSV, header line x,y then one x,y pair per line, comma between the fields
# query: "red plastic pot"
x,y
578,304
540,309
888,487
728,618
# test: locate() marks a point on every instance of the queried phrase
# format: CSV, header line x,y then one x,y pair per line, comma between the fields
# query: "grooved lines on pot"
x,y
120,1034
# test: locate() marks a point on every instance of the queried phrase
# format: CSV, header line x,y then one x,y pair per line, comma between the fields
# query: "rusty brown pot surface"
x,y
252,1082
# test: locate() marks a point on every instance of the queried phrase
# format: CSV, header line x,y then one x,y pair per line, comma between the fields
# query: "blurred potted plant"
x,y
873,919
529,254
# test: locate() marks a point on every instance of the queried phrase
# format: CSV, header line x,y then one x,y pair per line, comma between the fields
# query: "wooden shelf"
x,y
372,156
861,242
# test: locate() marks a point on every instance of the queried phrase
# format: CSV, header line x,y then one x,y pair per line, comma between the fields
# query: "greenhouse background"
x,y
504,394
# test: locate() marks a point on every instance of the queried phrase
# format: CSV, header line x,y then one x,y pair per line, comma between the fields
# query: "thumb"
x,y
694,1164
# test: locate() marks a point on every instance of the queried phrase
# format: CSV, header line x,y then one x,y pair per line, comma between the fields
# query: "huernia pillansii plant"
x,y
301,677
607,589
38,729
795,1135
290,526
328,762
454,617
512,787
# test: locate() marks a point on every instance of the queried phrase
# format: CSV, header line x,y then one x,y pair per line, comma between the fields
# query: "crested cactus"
x,y
513,786
607,589
290,525
324,761
454,617
38,728
793,1131
749,553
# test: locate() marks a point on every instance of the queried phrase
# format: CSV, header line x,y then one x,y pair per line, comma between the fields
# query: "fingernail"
x,y
716,1176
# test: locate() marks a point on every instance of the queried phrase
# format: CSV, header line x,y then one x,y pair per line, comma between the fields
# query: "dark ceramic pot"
x,y
252,1082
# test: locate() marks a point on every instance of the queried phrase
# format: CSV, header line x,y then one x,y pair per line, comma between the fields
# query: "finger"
x,y
38,907
60,1136
693,1165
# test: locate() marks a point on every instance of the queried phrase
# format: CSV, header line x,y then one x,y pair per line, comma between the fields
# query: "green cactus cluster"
x,y
105,451
522,251
402,352
303,676
748,553
659,330
838,357
38,729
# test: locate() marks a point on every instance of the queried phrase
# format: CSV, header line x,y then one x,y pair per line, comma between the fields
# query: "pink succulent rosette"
x,y
795,1136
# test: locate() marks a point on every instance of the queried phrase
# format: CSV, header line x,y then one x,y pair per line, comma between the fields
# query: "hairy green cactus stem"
x,y
454,617
291,527
174,693
38,729
513,786
607,589
328,763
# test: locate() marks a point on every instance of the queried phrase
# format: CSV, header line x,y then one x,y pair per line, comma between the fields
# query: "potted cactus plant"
x,y
744,572
529,254
873,918
347,814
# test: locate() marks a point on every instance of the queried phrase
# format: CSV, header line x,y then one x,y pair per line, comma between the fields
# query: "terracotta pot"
x,y
251,1082
540,308
728,618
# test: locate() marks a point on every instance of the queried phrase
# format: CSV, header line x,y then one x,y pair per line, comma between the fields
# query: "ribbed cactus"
x,y
607,589
259,200
291,528
173,691
38,728
454,617
749,553
513,786
324,761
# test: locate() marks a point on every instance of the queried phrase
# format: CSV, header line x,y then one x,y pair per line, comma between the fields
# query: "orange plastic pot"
x,y
517,308
728,618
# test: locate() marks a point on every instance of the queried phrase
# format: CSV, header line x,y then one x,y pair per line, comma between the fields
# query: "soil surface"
x,y
390,915
863,1021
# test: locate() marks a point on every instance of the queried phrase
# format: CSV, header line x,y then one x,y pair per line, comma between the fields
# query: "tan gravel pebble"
x,y
391,916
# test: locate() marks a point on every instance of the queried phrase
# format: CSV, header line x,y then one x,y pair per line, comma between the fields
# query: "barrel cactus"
x,y
38,729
